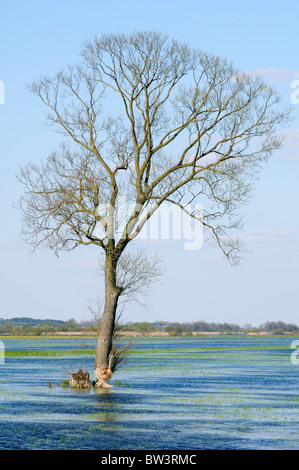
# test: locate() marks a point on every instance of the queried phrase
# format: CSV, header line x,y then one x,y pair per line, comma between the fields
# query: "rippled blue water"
x,y
224,392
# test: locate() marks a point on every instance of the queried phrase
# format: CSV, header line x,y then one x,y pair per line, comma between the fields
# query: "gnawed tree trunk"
x,y
104,358
80,379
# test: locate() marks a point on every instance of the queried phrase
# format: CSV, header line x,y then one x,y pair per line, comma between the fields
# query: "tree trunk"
x,y
80,379
103,360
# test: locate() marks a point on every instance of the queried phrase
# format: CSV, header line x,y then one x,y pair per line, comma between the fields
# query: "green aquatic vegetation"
x,y
233,354
231,405
47,353
118,383
65,383
103,427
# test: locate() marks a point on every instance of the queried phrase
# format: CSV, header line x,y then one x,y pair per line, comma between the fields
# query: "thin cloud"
x,y
276,75
265,236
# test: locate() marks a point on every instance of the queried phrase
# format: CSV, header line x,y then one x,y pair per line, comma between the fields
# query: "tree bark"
x,y
103,359
80,379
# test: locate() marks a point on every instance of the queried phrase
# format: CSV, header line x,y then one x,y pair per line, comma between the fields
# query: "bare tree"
x,y
135,273
156,121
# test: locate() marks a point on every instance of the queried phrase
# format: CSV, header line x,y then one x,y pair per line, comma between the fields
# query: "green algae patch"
x,y
145,352
69,352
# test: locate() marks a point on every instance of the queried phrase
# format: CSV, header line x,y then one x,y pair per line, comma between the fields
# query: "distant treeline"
x,y
176,328
26,326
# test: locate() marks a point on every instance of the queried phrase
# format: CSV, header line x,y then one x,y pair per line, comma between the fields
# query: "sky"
x,y
40,38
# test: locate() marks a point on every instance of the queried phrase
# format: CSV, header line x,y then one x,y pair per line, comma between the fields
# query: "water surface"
x,y
191,393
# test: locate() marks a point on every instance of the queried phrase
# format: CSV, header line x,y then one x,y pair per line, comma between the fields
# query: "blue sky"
x,y
38,38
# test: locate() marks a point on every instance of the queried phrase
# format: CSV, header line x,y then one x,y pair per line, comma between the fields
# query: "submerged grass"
x,y
70,352
195,352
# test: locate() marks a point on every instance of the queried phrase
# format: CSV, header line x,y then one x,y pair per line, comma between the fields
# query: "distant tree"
x,y
154,120
144,327
278,331
174,329
278,326
71,324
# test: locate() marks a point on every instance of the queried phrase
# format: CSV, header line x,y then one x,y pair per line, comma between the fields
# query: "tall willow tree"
x,y
158,122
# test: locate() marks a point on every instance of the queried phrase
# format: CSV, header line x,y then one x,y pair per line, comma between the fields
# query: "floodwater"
x,y
186,393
